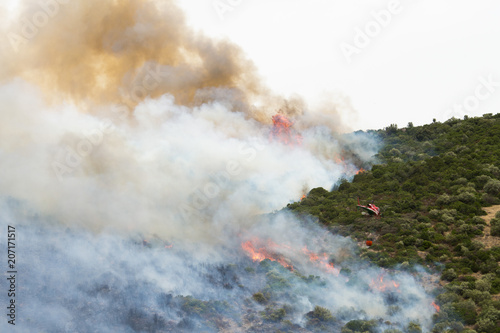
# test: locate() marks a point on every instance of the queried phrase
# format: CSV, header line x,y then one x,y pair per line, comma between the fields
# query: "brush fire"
x,y
146,168
282,131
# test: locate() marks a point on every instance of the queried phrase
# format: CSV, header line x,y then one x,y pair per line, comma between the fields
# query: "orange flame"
x,y
303,197
261,253
322,261
258,251
282,131
349,168
380,285
437,307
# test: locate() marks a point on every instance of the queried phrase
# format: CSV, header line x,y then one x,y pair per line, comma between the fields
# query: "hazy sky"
x,y
398,61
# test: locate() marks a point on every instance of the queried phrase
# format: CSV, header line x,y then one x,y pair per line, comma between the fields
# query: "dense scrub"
x,y
431,183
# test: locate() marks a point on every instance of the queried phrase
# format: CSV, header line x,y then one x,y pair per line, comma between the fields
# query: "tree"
x,y
392,129
414,328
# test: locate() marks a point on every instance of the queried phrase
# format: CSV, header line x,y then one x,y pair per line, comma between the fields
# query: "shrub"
x,y
483,285
275,315
449,275
259,298
478,220
360,326
495,227
448,297
492,187
482,180
448,219
434,213
466,197
444,199
321,313
460,181
486,325
441,227
477,296
488,199
414,328
466,310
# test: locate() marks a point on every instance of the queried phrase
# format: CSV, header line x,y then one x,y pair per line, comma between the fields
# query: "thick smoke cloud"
x,y
137,157
88,49
167,169
76,280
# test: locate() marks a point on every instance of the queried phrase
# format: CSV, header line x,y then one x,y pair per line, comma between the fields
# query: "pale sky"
x,y
414,65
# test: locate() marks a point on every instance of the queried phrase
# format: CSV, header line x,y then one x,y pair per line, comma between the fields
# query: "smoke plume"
x,y
136,158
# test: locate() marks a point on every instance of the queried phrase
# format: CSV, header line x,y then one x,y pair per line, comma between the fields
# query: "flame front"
x,y
282,131
437,307
381,285
322,261
360,171
261,253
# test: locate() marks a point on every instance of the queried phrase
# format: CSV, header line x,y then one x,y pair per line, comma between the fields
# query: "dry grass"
x,y
488,240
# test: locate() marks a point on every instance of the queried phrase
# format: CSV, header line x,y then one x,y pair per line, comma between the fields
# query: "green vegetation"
x,y
431,183
320,319
353,326
259,298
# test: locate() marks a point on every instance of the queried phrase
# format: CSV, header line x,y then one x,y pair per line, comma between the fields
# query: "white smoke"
x,y
130,194
164,168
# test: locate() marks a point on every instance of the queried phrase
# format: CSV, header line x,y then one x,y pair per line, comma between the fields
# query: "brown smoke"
x,y
120,52
123,51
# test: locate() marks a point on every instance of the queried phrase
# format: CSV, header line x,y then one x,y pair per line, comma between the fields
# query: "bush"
x,y
449,275
486,325
434,213
444,199
477,296
467,311
483,285
489,199
466,197
495,227
360,326
448,297
275,315
259,298
414,328
448,219
492,187
321,313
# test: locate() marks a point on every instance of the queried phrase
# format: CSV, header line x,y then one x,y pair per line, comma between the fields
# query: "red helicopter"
x,y
370,208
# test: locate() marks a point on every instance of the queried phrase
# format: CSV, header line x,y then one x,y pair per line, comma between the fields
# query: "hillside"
x,y
438,189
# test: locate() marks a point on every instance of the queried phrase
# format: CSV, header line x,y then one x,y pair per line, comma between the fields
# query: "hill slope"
x,y
435,185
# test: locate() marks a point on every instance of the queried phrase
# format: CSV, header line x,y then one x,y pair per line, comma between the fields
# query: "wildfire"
x,y
322,261
349,168
303,197
283,132
381,285
261,253
360,171
437,307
